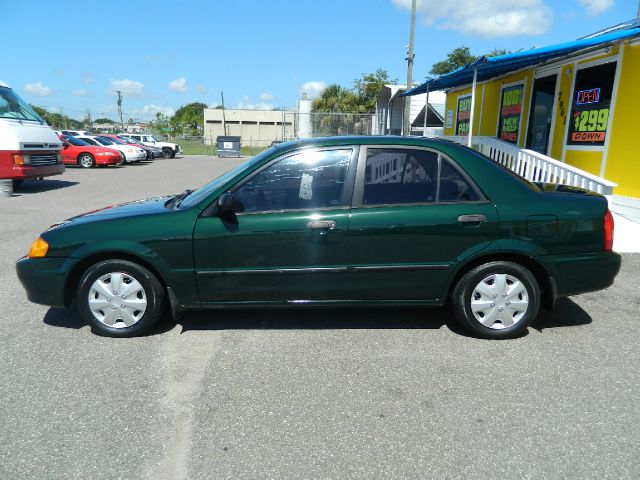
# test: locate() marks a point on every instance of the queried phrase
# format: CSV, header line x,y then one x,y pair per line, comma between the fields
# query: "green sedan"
x,y
339,222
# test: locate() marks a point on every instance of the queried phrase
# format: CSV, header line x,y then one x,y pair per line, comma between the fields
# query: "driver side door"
x,y
286,240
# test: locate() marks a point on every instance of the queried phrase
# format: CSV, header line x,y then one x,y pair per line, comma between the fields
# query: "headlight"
x,y
21,159
39,248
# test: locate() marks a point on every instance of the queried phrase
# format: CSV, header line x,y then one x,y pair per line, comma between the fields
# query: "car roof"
x,y
364,140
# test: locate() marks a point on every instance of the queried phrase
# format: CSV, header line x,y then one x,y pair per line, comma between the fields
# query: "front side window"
x,y
411,176
310,179
90,141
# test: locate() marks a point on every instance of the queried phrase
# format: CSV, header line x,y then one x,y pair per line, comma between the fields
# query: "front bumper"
x,y
572,274
45,279
106,160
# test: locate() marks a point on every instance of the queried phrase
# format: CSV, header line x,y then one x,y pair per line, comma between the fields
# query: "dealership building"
x,y
256,128
573,104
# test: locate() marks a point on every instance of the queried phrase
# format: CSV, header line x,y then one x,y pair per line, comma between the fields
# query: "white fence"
x,y
536,167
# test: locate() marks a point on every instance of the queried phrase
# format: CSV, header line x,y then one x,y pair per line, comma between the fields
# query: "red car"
x,y
77,152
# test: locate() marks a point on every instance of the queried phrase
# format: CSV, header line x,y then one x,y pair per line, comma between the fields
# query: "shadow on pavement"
x,y
39,186
566,314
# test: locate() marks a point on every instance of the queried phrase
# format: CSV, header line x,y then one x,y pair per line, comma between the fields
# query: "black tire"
x,y
86,160
487,275
153,293
168,153
124,159
17,183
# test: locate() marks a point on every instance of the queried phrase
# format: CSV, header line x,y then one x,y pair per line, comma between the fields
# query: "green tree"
x,y
496,52
367,87
103,120
456,58
189,119
335,98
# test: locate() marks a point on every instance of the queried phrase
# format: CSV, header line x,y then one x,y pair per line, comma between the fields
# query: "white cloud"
x,y
129,88
38,89
313,88
596,7
178,85
265,97
244,105
201,88
81,92
149,111
487,18
87,78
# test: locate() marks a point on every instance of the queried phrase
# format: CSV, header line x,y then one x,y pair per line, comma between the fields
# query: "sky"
x,y
73,56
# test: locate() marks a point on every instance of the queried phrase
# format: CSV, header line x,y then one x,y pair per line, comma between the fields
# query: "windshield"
x,y
206,190
152,138
74,141
12,106
129,140
117,141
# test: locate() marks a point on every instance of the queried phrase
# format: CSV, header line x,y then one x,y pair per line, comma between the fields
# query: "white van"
x,y
28,146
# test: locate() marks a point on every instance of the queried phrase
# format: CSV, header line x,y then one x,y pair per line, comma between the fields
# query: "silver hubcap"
x,y
85,161
499,301
117,300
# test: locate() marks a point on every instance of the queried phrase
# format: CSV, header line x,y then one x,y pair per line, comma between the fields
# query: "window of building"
x,y
307,180
463,116
510,113
590,106
406,176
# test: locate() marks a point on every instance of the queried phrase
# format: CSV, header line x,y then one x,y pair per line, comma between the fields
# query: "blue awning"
x,y
493,67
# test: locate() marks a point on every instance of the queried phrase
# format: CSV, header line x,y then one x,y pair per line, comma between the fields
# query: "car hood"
x,y
147,206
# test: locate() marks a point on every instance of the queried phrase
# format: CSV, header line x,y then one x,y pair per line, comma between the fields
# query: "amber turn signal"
x,y
38,249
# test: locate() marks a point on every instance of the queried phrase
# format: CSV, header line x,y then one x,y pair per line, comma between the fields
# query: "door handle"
x,y
475,218
323,225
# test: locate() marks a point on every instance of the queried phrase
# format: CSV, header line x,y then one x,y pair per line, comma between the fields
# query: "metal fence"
x,y
322,124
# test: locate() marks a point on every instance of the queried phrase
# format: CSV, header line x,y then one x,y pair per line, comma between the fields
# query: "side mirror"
x,y
226,203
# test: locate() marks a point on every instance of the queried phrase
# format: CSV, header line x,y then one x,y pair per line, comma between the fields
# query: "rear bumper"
x,y
45,279
572,274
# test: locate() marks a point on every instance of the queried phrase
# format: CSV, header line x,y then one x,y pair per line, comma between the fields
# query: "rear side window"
x,y
307,180
453,186
412,176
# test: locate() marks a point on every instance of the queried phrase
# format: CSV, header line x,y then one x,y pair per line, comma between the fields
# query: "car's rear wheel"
x,y
168,153
86,160
496,300
119,298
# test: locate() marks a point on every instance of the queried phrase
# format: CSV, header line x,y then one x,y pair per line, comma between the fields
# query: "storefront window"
x,y
464,113
590,105
510,112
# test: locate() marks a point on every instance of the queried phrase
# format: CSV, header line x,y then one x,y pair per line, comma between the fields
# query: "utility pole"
x,y
224,122
120,108
406,118
89,119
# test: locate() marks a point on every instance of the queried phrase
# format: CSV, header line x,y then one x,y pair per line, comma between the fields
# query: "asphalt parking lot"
x,y
384,393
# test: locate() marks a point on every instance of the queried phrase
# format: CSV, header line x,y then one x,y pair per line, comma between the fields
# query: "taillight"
x,y
608,231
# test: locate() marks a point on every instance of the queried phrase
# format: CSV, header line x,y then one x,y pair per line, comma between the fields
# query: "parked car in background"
x,y
170,149
28,146
155,152
79,152
129,153
122,141
74,133
342,222
119,141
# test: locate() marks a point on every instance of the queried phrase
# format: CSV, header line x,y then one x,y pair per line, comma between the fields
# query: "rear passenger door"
x,y
414,214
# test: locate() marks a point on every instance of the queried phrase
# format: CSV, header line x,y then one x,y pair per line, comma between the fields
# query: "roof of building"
x,y
492,67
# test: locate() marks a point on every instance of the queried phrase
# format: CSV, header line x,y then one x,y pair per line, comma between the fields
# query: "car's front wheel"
x,y
86,160
496,300
119,298
168,153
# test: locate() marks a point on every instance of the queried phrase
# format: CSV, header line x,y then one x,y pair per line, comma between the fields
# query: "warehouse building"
x,y
256,128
